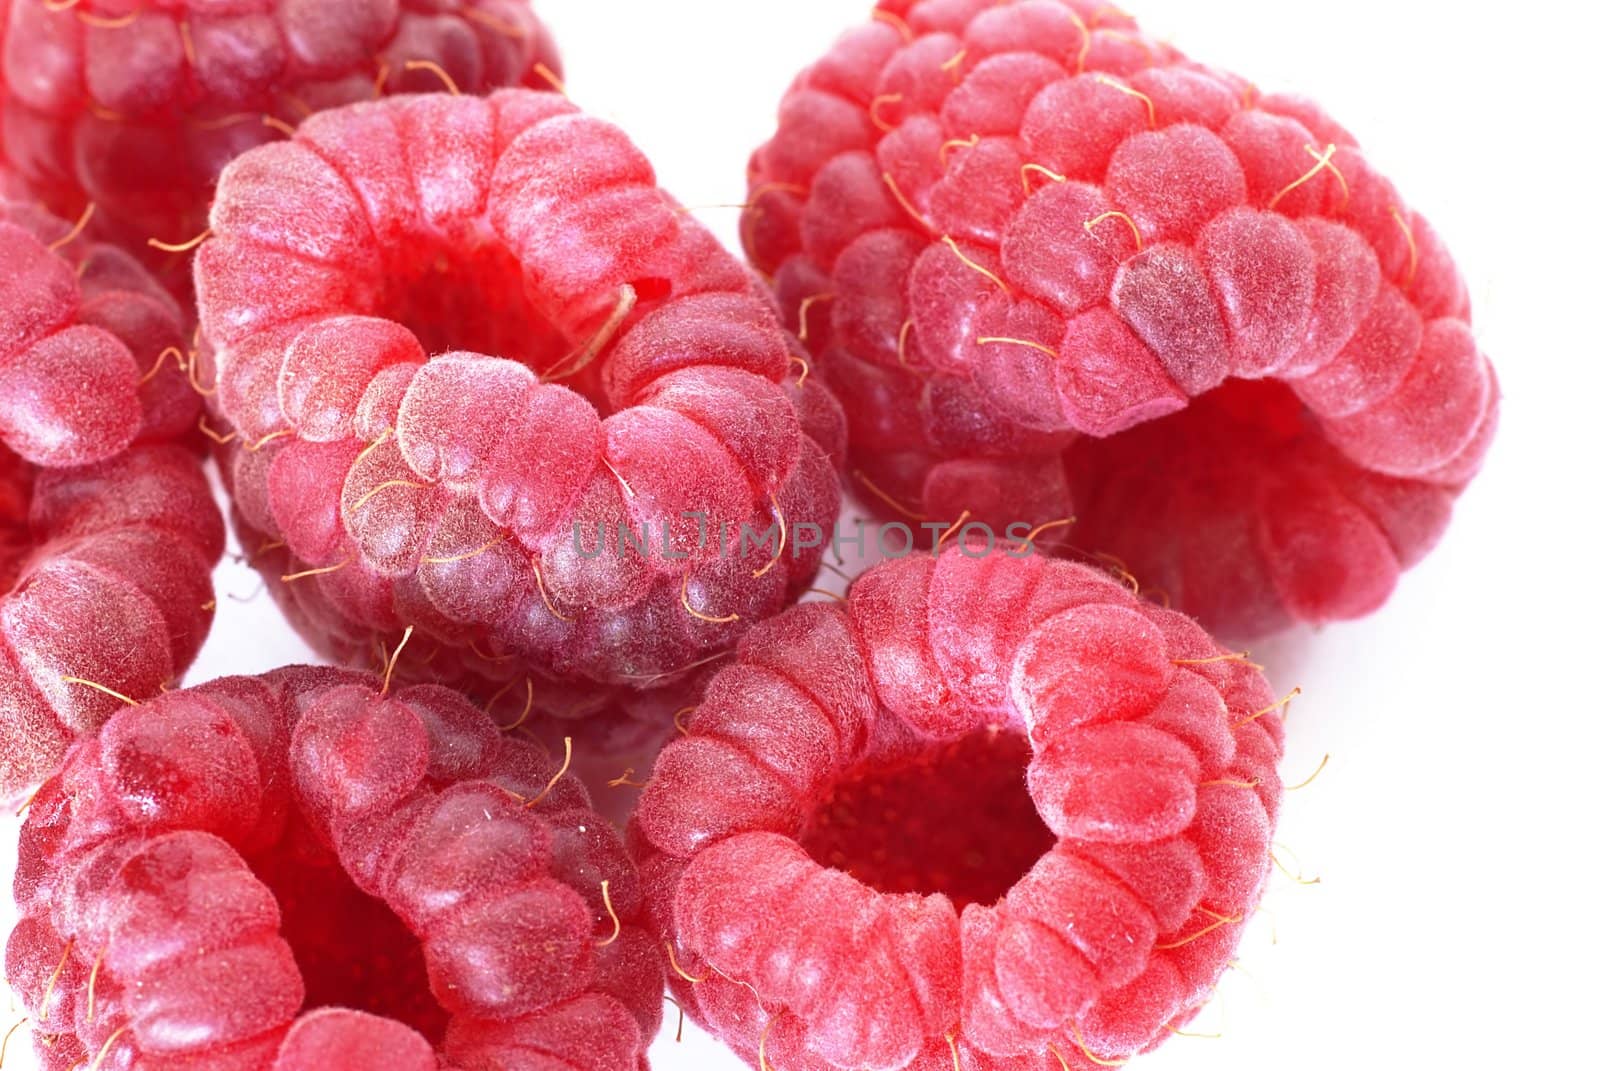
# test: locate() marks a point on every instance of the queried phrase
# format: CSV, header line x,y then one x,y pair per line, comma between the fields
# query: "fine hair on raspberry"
x,y
308,871
134,108
1053,268
108,530
459,342
995,811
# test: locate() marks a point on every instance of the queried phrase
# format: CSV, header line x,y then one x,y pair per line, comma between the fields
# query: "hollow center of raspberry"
x,y
1240,420
470,296
16,495
1179,498
352,950
954,819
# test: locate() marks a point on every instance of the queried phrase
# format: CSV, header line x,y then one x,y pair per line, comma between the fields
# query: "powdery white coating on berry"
x,y
303,871
999,806
457,338
137,107
1053,268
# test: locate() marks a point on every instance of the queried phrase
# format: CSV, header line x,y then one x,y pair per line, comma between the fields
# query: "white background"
x,y
1453,925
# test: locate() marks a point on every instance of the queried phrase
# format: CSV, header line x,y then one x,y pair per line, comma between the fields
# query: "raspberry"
x,y
995,808
136,107
459,338
106,574
609,726
92,351
1050,265
303,871
105,567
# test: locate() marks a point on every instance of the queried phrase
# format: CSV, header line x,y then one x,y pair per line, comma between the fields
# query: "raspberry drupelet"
x,y
306,871
475,363
108,531
1052,267
995,813
135,106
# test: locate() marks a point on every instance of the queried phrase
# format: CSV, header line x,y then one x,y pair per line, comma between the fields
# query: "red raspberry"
x,y
92,350
106,575
106,567
136,107
358,277
221,858
1000,226
995,807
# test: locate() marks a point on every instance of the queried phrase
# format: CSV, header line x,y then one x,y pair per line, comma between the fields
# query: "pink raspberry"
x,y
1051,266
458,339
995,809
135,107
302,871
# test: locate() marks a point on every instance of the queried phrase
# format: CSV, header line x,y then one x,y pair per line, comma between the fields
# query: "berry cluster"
x,y
215,860
1050,264
136,107
831,899
491,349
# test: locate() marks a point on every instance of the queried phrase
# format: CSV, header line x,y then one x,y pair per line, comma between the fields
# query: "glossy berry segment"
x,y
995,809
1054,268
306,870
488,381
92,350
136,107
